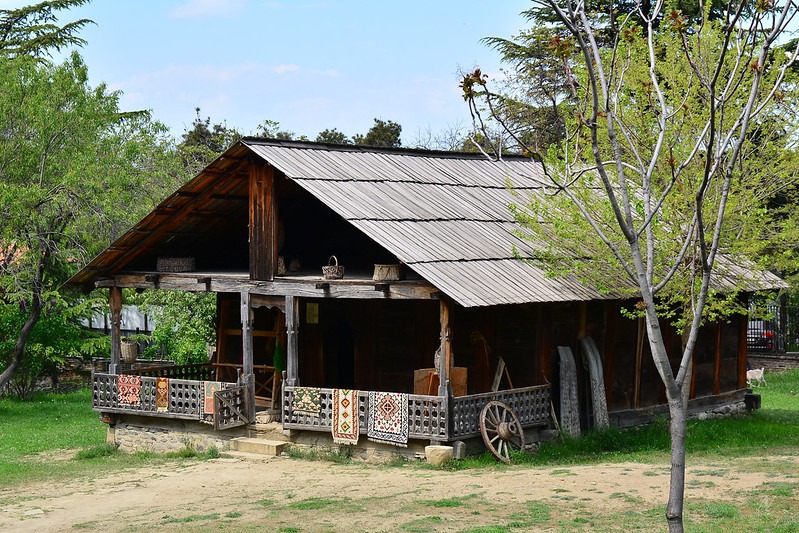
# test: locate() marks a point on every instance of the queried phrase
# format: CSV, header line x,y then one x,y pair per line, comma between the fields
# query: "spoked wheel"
x,y
501,430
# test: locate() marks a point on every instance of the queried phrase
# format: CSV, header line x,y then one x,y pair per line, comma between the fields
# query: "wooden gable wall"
x,y
263,221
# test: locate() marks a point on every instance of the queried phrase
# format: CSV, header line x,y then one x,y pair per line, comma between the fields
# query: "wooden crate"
x,y
425,381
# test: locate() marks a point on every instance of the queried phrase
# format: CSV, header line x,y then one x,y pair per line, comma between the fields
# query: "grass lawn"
x,y
58,436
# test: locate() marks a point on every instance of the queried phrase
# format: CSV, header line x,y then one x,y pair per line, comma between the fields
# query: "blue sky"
x,y
307,64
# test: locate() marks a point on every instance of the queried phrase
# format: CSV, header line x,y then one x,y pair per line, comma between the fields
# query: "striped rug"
x,y
345,416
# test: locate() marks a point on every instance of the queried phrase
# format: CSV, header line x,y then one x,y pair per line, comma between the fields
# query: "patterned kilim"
x,y
209,388
388,418
306,400
128,389
345,416
162,395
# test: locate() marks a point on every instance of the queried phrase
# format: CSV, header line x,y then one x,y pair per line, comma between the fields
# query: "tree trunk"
x,y
22,339
679,412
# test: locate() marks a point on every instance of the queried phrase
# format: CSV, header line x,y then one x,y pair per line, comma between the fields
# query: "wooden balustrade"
x,y
427,415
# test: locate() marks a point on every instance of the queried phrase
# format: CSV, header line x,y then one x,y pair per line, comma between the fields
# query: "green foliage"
x,y
74,173
645,140
385,134
33,30
54,338
184,324
332,136
203,143
95,452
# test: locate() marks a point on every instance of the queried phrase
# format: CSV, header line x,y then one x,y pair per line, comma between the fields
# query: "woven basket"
x,y
130,350
333,270
175,264
387,272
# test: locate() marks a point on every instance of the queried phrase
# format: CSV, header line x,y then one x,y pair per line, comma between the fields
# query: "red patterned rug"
x,y
388,418
209,388
162,395
345,416
128,389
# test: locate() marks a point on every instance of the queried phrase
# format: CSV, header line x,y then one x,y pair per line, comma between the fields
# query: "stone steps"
x,y
258,445
270,431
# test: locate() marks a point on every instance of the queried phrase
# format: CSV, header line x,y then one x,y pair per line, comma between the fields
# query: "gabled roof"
x,y
444,214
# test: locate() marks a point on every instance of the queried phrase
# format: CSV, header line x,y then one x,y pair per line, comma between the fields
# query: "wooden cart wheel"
x,y
501,430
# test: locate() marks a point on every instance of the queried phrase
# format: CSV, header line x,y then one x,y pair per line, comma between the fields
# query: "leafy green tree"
x,y
33,30
385,134
74,172
57,336
270,129
654,177
184,323
203,143
332,136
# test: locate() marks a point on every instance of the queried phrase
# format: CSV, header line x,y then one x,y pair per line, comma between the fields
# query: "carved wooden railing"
x,y
185,398
531,405
232,408
197,372
427,415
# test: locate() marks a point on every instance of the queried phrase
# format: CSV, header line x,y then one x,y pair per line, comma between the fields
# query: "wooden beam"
x,y
383,287
115,304
248,377
246,333
263,221
742,349
717,361
445,360
292,339
281,287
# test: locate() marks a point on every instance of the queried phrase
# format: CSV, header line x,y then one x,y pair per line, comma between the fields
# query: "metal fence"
x,y
774,329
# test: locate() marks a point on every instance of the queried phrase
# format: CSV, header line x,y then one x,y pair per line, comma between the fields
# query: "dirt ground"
x,y
285,494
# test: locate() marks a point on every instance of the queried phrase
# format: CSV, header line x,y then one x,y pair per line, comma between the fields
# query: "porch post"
x,y
445,350
292,340
247,376
115,305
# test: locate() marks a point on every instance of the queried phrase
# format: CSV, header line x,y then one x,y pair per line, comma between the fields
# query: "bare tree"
x,y
661,108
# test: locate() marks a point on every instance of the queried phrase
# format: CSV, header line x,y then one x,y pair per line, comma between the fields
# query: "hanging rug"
x,y
388,418
128,389
345,416
306,400
162,395
209,388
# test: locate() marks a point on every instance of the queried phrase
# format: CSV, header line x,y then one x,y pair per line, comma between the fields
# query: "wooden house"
x,y
434,302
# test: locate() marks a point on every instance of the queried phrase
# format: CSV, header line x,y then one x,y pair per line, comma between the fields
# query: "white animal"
x,y
756,375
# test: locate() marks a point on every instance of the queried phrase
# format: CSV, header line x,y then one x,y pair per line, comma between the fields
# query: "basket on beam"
x,y
333,270
129,351
175,264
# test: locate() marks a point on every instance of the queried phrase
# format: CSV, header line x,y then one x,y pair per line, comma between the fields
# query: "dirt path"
x,y
282,494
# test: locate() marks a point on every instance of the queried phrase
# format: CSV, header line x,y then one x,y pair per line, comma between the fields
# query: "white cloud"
x,y
283,69
195,9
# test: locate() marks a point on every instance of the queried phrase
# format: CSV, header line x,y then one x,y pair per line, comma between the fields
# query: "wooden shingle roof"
x,y
445,215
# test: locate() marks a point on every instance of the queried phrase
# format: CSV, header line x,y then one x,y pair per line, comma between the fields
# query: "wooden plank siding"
x,y
263,222
473,288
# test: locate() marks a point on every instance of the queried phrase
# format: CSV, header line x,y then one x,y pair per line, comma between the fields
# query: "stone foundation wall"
x,y
773,362
723,411
144,434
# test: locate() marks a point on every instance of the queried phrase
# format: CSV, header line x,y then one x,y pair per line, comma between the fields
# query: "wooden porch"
x,y
434,418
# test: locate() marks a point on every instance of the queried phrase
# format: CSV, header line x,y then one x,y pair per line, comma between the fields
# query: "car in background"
x,y
760,335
